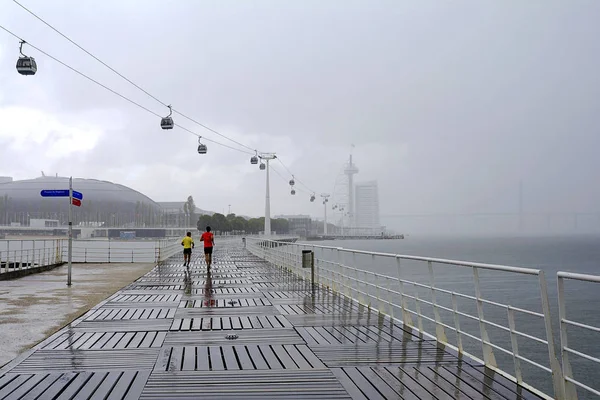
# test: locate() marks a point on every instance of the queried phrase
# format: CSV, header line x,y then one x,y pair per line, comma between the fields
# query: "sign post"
x,y
75,198
70,256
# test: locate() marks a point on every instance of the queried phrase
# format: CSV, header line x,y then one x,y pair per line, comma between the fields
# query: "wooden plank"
x,y
175,359
196,324
159,339
50,386
270,357
72,387
105,388
230,358
257,358
243,357
189,358
25,386
202,361
216,360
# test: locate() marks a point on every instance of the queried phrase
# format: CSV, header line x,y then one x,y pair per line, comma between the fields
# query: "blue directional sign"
x,y
55,193
77,195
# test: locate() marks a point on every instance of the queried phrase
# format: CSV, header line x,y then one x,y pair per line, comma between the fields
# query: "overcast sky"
x,y
449,104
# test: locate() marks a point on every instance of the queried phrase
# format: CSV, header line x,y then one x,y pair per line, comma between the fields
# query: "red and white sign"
x,y
76,202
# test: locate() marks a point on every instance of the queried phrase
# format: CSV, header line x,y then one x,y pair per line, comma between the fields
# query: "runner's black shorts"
x,y
187,251
208,250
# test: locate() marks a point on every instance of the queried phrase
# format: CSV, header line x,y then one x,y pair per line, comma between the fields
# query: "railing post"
x,y
380,307
457,324
132,255
515,344
488,352
570,389
440,333
560,388
21,256
33,261
418,309
85,255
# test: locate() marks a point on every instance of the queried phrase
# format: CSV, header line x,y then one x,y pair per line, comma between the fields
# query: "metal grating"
x,y
314,307
237,357
227,290
226,323
80,360
145,298
104,314
106,340
344,334
128,325
336,319
117,385
388,354
281,384
447,382
225,312
249,336
225,302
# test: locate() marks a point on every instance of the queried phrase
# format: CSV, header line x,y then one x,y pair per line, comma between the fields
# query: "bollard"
x,y
308,261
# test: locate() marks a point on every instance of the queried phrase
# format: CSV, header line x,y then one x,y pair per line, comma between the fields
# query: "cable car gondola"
x,y
292,182
262,166
167,122
26,65
312,198
201,147
293,192
254,159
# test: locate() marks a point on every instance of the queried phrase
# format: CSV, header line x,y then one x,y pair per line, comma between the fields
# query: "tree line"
x,y
236,224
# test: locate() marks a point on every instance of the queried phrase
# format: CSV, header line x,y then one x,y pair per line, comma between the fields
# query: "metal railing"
x,y
570,383
416,293
16,255
23,254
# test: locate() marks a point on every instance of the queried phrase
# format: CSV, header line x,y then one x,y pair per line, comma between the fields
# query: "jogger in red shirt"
x,y
209,240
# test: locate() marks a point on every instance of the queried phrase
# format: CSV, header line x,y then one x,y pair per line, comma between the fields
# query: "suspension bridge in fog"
x,y
571,220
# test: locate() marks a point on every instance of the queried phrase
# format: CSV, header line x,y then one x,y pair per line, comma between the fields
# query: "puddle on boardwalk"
x,y
35,306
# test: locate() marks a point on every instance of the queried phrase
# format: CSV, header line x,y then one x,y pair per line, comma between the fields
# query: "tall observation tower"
x,y
349,171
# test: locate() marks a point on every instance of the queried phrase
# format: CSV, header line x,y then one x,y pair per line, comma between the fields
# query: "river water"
x,y
551,254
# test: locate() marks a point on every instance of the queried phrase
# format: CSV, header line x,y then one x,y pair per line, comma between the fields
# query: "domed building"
x,y
104,203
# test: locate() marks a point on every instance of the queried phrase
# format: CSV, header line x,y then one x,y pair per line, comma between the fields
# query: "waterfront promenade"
x,y
247,330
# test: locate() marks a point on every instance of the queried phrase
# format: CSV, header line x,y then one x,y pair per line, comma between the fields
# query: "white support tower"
x,y
350,171
325,197
268,157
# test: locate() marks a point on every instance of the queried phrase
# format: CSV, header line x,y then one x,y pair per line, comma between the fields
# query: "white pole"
x,y
70,230
267,206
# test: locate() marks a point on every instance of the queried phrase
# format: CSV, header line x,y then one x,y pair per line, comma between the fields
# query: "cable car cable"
x,y
294,176
143,90
117,93
127,79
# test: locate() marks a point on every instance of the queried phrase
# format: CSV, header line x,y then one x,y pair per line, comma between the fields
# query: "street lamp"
x,y
268,157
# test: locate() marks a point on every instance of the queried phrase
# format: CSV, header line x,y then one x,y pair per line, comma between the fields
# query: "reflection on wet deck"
x,y
247,330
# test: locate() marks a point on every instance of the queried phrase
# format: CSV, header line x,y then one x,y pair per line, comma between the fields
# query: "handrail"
x,y
570,383
17,255
388,294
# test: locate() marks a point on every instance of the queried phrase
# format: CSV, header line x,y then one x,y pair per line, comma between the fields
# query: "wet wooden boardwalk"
x,y
246,331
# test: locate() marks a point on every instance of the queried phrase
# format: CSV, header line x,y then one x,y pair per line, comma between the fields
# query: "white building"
x,y
366,203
